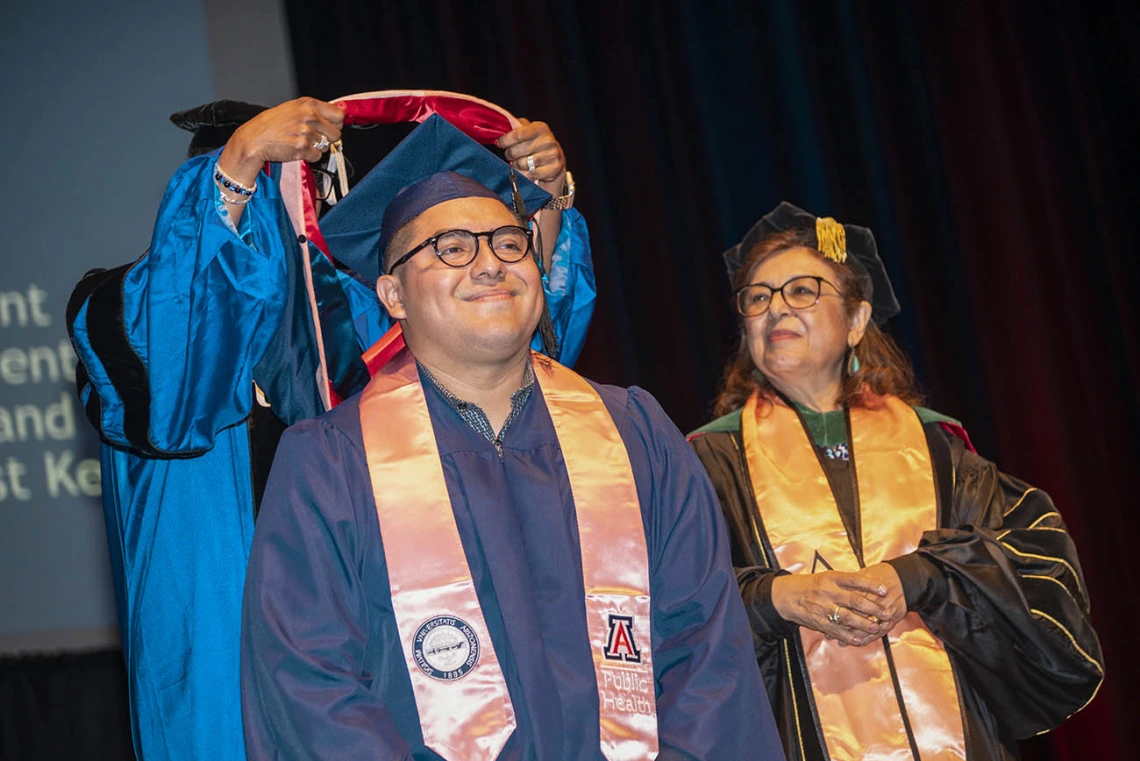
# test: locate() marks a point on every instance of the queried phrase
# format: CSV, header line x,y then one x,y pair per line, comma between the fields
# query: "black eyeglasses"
x,y
457,248
801,292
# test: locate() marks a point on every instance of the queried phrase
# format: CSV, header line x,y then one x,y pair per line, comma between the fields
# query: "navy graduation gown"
x,y
323,674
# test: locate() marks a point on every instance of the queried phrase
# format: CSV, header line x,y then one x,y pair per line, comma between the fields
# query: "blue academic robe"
x,y
170,347
323,673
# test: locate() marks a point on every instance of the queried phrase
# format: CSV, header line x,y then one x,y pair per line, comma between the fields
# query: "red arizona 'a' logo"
x,y
620,645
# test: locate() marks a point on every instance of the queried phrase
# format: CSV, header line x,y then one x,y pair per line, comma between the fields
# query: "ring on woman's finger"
x,y
321,144
530,164
834,617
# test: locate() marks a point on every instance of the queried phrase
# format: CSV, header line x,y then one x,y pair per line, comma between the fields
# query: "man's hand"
x,y
534,139
834,603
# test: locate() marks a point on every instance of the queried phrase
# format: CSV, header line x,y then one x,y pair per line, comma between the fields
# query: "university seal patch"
x,y
445,648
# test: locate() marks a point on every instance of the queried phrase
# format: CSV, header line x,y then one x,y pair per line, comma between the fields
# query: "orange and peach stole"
x,y
462,699
615,560
855,700
464,708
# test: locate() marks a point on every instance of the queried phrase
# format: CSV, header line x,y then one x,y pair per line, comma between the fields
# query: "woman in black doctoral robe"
x,y
907,598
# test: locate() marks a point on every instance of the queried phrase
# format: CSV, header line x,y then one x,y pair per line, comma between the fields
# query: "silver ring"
x,y
321,144
530,164
834,617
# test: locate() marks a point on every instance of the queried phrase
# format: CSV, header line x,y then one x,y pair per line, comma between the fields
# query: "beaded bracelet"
x,y
229,183
238,200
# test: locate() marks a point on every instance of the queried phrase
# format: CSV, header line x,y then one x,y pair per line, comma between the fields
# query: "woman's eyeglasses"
x,y
801,292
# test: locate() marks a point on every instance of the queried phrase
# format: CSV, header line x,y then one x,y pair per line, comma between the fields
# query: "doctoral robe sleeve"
x,y
306,693
369,317
569,286
1002,588
710,702
168,344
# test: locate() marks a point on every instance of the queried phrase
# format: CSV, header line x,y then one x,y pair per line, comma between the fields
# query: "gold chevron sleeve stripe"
x,y
1008,531
1079,649
1093,661
1021,499
1062,561
1049,514
1059,583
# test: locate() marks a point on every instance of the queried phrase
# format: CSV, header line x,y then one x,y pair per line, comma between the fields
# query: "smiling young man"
x,y
484,555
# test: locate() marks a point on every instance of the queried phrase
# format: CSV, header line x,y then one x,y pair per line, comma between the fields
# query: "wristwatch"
x,y
566,200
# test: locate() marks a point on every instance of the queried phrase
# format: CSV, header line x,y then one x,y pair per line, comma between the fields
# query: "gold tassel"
x,y
831,239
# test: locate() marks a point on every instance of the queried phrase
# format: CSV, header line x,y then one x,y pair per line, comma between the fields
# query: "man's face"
x,y
484,312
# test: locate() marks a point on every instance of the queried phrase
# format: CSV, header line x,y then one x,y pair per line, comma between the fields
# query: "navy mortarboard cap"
x,y
214,123
357,226
843,244
431,191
